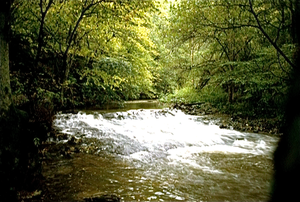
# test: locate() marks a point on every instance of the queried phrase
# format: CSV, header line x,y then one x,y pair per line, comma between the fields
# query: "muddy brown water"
x,y
145,153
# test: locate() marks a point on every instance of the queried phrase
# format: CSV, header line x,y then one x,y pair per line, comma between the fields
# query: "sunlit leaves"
x,y
97,30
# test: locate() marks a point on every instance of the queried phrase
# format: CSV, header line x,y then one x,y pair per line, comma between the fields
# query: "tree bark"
x,y
5,90
230,92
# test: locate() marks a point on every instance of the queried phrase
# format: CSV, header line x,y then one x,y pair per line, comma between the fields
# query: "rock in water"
x,y
104,198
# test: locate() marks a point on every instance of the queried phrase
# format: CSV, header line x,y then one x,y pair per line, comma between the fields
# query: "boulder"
x,y
73,141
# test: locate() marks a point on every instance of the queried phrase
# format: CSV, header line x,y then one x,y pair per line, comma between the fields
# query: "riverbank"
x,y
227,121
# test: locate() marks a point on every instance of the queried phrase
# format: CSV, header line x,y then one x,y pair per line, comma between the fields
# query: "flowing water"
x,y
162,155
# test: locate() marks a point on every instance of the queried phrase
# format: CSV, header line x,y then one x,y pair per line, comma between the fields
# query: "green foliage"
x,y
165,82
184,95
187,95
36,141
241,50
96,52
83,52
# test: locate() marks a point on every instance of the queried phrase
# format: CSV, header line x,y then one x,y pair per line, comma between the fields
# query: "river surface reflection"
x,y
150,154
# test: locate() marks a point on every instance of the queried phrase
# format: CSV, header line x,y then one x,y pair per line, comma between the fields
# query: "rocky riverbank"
x,y
56,154
245,124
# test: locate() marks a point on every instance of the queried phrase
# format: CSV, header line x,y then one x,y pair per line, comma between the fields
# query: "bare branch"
x,y
268,37
41,31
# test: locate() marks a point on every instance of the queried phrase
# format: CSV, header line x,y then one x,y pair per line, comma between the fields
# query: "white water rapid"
x,y
174,156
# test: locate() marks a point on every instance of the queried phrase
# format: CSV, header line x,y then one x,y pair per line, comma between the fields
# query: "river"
x,y
145,153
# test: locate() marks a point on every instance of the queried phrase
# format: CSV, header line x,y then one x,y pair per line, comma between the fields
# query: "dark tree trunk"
x,y
5,90
286,183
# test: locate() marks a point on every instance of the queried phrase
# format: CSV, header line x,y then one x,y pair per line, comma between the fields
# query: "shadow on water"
x,y
86,175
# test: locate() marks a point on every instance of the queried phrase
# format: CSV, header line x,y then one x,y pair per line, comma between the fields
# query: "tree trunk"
x,y
230,92
66,66
5,90
287,155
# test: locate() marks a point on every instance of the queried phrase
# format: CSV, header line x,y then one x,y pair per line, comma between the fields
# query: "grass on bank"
x,y
218,98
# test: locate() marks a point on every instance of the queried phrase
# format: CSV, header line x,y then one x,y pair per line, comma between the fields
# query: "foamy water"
x,y
180,151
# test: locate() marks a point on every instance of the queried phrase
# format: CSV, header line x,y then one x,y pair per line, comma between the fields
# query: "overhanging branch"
x,y
268,37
